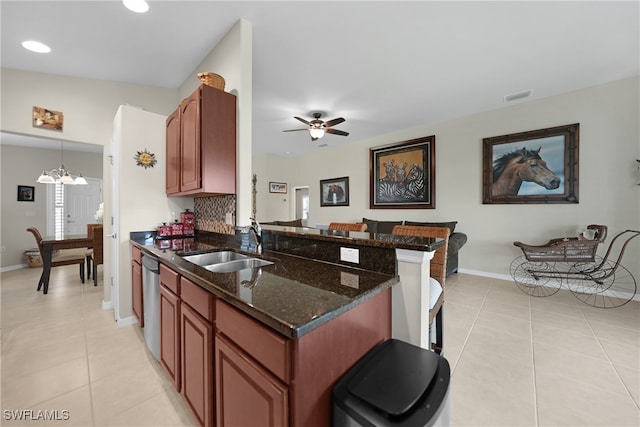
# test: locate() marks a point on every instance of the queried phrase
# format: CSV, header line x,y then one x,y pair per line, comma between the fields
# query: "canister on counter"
x,y
187,218
163,230
177,228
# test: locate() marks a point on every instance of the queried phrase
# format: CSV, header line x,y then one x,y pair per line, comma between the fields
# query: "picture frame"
x,y
26,193
403,175
550,169
277,187
334,192
47,119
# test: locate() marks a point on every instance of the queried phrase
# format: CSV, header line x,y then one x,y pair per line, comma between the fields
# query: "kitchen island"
x,y
276,338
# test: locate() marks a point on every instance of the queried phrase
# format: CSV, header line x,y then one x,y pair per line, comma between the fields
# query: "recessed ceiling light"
x,y
35,46
138,6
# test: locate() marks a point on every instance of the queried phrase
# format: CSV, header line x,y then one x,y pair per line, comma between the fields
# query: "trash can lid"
x,y
395,378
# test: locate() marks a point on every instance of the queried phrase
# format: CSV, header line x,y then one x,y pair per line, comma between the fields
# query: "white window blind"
x,y
59,211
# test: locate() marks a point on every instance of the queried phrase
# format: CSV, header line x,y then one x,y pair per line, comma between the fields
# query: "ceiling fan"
x,y
317,128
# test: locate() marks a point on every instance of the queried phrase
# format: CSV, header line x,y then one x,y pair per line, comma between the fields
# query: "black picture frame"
x,y
547,158
277,187
26,193
334,192
403,175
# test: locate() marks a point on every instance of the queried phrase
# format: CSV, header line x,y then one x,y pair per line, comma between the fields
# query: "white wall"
x,y
88,105
608,194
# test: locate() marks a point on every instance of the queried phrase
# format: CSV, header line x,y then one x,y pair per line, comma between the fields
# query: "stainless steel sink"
x,y
214,257
237,265
225,261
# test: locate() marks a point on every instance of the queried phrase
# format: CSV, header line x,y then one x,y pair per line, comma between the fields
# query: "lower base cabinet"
x,y
197,364
232,370
247,394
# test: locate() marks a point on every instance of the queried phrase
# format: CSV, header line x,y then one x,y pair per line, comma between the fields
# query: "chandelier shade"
x,y
61,175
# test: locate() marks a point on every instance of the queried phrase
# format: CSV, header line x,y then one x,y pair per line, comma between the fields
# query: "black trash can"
x,y
395,384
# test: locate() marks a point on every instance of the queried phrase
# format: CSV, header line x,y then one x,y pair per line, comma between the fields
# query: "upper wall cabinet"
x,y
201,144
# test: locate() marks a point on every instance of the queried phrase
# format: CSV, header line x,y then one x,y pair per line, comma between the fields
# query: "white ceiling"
x,y
384,66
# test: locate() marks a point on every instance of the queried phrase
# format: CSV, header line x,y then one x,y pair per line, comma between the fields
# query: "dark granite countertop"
x,y
294,295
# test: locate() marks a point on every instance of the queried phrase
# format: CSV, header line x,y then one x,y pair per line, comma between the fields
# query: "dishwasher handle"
x,y
150,263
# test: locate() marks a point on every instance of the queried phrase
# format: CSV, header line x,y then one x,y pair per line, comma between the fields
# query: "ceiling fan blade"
x,y
333,122
302,120
294,130
336,132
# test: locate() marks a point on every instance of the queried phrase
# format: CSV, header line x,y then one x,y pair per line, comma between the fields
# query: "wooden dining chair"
x,y
98,251
60,258
347,226
438,273
89,251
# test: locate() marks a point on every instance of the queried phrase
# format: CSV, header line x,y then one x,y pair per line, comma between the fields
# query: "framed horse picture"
x,y
403,175
538,166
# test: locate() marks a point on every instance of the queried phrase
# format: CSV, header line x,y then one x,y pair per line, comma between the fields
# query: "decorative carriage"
x,y
598,281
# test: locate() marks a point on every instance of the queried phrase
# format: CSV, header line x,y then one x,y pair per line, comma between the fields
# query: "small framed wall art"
x,y
47,119
26,193
277,187
334,192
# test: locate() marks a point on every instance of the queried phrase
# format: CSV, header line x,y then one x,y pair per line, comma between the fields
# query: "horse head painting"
x,y
511,169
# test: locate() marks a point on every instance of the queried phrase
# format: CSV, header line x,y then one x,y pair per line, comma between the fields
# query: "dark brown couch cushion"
x,y
374,226
294,223
451,224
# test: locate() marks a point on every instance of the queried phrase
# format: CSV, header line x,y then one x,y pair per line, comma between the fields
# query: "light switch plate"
x,y
350,255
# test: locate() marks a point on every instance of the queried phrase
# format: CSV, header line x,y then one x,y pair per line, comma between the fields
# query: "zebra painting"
x,y
402,175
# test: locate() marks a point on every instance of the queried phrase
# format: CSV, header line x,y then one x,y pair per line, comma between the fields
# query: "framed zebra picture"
x,y
403,175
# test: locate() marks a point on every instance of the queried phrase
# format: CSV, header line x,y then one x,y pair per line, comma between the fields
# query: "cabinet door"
x,y
247,394
170,335
190,175
173,153
136,288
197,365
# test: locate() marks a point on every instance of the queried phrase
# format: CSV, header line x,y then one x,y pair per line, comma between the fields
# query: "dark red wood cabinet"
x,y
201,144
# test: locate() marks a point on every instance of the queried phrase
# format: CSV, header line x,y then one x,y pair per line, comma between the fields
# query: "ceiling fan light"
x,y
316,133
137,6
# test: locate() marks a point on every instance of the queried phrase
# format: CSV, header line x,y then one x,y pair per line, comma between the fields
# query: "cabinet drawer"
x,y
136,254
170,279
267,347
199,299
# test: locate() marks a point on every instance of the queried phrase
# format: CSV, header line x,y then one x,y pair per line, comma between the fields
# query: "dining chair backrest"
x,y
347,226
38,238
98,250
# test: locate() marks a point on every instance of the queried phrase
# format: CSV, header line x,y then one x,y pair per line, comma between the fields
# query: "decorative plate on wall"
x,y
145,159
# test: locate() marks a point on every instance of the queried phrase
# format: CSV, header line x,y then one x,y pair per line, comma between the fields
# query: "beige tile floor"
x,y
516,360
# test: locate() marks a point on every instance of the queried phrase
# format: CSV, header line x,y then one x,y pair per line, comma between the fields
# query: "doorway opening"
x,y
300,205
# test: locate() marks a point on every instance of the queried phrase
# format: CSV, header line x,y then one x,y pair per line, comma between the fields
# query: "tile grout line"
x,y
86,346
536,412
626,389
466,339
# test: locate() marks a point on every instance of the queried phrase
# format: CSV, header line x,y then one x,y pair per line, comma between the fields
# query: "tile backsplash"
x,y
211,213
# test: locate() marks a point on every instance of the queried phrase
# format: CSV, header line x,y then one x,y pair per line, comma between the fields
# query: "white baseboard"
x,y
127,321
107,305
12,267
508,278
486,274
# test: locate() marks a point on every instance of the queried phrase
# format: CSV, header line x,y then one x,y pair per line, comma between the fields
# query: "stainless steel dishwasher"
x,y
151,303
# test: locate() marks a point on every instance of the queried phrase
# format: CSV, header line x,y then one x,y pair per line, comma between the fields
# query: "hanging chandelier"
x,y
61,174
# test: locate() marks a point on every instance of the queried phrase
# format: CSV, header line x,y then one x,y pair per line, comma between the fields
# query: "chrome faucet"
x,y
257,233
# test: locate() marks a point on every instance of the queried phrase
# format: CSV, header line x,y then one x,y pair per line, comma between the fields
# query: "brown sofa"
x,y
456,239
